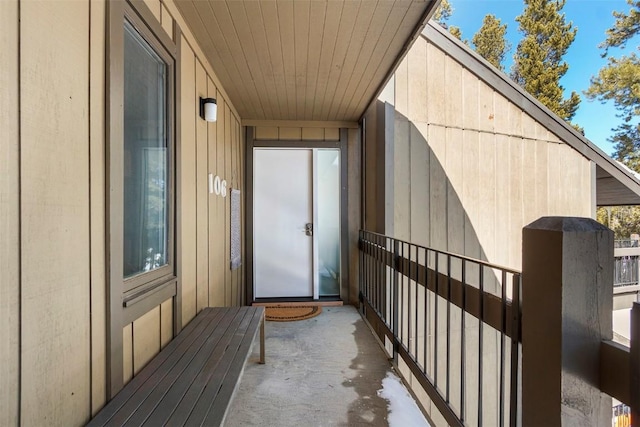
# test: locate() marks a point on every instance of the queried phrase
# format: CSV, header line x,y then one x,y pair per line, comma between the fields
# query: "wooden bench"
x,y
192,380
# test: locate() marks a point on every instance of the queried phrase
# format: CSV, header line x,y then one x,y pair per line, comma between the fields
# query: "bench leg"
x,y
262,340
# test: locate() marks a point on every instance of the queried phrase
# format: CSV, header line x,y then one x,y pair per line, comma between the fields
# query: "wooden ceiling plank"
x,y
316,26
272,28
398,29
287,43
259,35
301,10
329,38
371,24
243,25
345,31
228,37
199,30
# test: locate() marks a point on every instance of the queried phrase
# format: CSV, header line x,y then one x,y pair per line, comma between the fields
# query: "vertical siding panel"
x,y
419,196
216,287
331,134
438,188
486,112
402,179
505,121
471,192
98,207
453,101
487,182
166,20
532,189
146,338
402,88
9,215
270,133
516,203
542,178
228,170
127,353
417,90
202,199
502,202
221,202
312,134
55,213
187,190
166,322
455,208
435,85
470,108
292,134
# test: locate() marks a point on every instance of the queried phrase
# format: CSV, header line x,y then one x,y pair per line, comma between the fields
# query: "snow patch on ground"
x,y
403,410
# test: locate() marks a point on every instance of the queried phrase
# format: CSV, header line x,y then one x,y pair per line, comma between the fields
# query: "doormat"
x,y
291,313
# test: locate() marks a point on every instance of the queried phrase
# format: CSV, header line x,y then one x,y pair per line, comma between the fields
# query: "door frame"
x,y
341,144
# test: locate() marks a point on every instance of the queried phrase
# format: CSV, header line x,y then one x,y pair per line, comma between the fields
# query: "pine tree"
x,y
443,13
625,27
455,32
538,65
618,81
490,41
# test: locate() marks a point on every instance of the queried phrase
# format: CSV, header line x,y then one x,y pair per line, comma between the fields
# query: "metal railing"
x,y
620,370
625,271
453,321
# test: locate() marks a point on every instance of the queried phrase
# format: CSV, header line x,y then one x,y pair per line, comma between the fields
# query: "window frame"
x,y
143,281
129,299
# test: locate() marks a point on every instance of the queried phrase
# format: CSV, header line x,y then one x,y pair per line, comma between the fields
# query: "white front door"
x,y
283,206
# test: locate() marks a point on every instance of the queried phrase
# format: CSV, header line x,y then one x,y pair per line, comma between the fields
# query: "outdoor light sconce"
x,y
208,109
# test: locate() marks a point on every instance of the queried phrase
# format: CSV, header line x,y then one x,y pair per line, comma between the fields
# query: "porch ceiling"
x,y
304,59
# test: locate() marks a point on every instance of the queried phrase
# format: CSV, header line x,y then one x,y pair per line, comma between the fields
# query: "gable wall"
x,y
470,168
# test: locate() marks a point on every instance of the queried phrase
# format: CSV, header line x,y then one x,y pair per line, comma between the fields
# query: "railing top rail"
x,y
451,254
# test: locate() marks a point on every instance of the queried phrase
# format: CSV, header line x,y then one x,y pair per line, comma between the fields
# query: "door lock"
x,y
308,229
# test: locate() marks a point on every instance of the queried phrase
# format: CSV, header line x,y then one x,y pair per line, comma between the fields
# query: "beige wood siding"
x,y
53,260
470,168
97,198
55,242
206,148
9,216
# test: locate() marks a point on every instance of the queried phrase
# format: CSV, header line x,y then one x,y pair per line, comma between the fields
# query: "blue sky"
x,y
592,18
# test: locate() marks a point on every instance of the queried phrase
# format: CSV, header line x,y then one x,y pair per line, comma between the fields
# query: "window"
x,y
140,151
146,167
147,185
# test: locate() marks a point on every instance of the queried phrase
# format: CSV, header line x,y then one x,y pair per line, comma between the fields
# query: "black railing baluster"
x,y
448,367
516,306
385,264
463,359
503,321
480,346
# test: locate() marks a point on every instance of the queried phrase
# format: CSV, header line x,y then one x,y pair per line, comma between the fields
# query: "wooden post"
x,y
567,302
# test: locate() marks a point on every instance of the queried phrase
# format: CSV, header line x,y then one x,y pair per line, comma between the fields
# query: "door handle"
x,y
308,229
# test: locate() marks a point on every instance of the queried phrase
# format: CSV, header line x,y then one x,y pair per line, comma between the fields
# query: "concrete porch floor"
x,y
324,371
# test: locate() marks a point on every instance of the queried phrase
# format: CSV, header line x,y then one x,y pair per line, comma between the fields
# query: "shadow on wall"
x,y
434,196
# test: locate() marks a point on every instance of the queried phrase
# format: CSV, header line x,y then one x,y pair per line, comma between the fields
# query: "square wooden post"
x,y
567,303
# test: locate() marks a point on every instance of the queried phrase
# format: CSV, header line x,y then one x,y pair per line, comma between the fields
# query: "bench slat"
x,y
192,380
218,411
184,394
171,353
179,375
